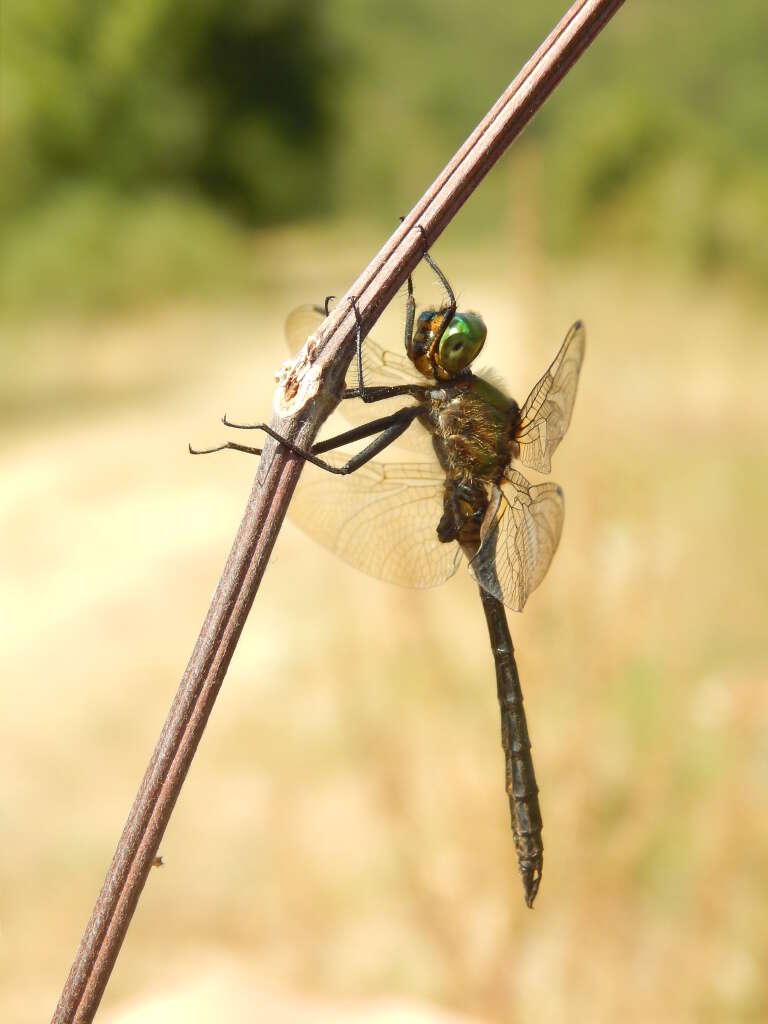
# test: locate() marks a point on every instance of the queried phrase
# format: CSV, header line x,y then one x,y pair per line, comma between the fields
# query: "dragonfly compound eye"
x,y
461,342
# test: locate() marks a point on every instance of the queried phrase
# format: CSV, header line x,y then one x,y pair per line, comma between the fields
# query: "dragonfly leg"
x,y
410,302
381,391
450,309
353,434
361,390
393,427
240,426
223,447
396,424
388,428
410,315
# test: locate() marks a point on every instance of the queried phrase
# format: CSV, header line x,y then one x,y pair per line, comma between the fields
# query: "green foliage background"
x,y
153,135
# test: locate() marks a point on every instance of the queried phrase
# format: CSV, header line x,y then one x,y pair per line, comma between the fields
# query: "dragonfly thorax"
x,y
473,426
444,351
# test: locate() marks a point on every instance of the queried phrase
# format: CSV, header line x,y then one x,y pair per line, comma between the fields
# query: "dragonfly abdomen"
x,y
522,790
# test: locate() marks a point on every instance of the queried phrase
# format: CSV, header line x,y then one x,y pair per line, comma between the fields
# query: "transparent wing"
x,y
547,411
381,519
380,367
302,322
519,537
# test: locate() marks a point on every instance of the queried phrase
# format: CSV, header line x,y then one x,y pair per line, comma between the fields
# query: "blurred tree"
x,y
208,115
228,98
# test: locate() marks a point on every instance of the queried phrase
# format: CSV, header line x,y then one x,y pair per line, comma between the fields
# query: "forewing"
x,y
381,519
547,411
519,537
300,323
380,368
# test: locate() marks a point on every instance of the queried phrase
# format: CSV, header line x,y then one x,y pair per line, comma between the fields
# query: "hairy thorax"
x,y
473,427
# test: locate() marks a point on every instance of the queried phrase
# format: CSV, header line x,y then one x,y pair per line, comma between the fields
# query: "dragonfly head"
x,y
444,351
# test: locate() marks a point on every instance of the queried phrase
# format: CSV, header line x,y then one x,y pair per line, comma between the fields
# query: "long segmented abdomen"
x,y
522,789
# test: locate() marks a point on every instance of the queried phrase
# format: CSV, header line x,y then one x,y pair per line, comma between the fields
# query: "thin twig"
x,y
303,401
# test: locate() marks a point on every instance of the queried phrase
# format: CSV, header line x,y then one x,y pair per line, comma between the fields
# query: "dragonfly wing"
x,y
300,323
547,411
380,368
519,537
381,519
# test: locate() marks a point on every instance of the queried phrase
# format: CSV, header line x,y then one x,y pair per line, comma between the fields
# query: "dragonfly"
x,y
412,522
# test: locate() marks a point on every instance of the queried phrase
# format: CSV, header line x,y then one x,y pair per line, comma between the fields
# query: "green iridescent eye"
x,y
460,344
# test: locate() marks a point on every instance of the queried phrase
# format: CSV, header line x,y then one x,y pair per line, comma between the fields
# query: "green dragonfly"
x,y
412,522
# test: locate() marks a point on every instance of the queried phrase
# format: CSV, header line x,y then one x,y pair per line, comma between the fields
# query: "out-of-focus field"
x,y
341,850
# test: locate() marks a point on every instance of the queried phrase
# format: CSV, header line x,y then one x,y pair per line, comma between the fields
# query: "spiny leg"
x,y
361,393
379,392
410,301
410,314
393,426
346,437
388,428
233,445
450,309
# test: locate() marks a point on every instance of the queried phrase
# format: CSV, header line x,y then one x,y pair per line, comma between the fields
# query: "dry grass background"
x,y
341,850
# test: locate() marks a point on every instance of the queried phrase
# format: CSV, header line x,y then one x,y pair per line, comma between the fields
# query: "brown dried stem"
x,y
304,401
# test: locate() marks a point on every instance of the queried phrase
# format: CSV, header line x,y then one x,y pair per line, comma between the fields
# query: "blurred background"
x,y
175,179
